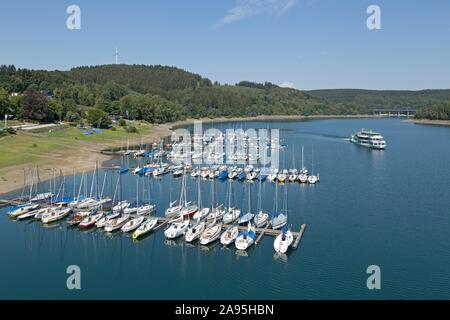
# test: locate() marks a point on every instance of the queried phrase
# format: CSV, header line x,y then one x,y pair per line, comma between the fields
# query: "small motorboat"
x,y
283,241
116,223
176,229
145,227
229,236
132,224
211,234
90,221
56,215
194,231
246,238
261,219
231,215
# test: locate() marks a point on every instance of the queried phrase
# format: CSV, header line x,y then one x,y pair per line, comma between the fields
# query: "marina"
x,y
343,235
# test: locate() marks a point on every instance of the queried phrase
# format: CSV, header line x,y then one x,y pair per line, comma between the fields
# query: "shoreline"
x,y
429,122
85,155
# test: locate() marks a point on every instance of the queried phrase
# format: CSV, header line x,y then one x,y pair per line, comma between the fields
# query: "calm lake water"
x,y
388,208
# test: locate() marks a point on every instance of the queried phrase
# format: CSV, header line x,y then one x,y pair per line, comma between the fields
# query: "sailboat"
x,y
132,224
202,212
176,229
249,215
90,221
261,218
283,241
145,227
194,232
233,213
246,238
293,172
279,219
56,215
312,179
213,230
117,223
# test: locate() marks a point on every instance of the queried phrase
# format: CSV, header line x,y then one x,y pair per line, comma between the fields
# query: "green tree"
x,y
98,118
5,104
34,106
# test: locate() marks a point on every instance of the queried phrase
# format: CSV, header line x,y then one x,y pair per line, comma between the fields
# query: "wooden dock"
x,y
261,232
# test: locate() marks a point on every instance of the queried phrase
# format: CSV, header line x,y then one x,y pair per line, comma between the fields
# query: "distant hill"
x,y
383,98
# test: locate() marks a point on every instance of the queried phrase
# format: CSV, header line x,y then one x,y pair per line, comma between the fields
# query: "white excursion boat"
x,y
132,224
195,231
246,238
22,210
211,234
90,221
56,215
229,236
369,139
176,229
116,223
283,241
145,227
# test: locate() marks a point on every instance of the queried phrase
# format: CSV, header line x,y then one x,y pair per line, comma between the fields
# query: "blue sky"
x,y
310,44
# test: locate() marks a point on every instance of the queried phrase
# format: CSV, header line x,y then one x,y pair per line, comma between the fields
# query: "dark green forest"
x,y
159,94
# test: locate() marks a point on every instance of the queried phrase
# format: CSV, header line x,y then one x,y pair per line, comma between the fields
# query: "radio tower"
x,y
117,56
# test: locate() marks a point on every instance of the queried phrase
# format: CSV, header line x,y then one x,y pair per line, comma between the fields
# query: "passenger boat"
x,y
368,139
145,227
56,215
132,224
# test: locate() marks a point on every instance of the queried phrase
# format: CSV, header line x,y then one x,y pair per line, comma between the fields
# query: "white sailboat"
x,y
145,227
232,213
194,232
249,215
176,229
246,238
261,218
116,223
283,241
313,179
279,219
132,224
56,215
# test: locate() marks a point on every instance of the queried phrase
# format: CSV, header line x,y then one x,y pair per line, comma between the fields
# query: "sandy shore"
x,y
430,122
84,156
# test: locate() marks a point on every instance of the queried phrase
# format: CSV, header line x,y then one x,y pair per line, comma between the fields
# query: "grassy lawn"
x,y
28,147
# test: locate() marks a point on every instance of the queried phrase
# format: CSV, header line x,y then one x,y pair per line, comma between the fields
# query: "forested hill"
x,y
140,78
384,98
162,94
